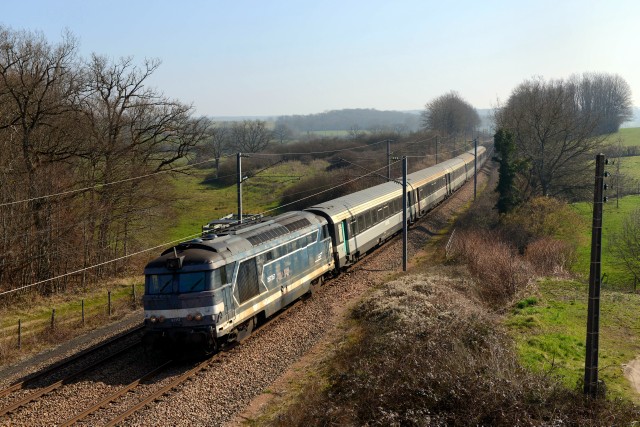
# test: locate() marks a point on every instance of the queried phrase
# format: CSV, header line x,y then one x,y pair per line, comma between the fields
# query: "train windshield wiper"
x,y
195,284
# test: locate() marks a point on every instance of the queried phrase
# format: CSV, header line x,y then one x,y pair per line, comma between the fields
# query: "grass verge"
x,y
35,317
549,326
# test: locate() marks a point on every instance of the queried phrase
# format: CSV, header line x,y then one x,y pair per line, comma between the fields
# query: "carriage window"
x,y
367,218
361,224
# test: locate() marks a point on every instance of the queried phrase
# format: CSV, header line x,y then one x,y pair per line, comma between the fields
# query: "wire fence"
x,y
72,318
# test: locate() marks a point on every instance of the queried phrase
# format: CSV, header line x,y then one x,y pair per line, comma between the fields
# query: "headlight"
x,y
189,317
198,317
161,319
153,319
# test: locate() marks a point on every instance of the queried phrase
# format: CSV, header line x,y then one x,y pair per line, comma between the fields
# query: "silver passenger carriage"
x,y
363,220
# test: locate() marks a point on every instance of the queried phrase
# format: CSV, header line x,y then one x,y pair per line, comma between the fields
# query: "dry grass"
x,y
38,335
550,257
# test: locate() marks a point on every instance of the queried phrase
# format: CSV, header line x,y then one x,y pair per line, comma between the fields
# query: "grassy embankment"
x,y
630,136
204,201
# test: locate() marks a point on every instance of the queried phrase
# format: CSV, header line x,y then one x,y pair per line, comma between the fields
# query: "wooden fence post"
x,y
109,298
53,318
133,292
82,313
19,334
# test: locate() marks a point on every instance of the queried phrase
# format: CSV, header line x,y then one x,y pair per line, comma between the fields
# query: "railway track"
x,y
174,382
52,370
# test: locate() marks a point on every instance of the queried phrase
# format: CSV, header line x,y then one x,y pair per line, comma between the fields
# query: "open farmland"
x,y
617,276
630,137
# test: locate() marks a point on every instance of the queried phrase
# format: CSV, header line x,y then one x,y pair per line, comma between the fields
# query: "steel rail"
x,y
112,397
163,390
57,366
33,396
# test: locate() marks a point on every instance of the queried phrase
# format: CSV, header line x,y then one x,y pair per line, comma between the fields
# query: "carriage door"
x,y
344,235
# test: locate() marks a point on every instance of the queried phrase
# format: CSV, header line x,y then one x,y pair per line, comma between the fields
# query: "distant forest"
x,y
349,119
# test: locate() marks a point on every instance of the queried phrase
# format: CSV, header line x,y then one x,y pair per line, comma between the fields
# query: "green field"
x,y
549,324
550,332
630,167
204,202
629,137
612,218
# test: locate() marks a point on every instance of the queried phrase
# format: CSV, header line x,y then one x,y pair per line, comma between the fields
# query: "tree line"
x,y
81,128
356,118
549,131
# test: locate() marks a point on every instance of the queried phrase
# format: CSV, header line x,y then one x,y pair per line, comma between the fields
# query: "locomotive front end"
x,y
184,298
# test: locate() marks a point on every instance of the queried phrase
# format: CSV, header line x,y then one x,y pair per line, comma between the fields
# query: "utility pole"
x,y
436,149
593,314
475,168
239,185
404,213
388,160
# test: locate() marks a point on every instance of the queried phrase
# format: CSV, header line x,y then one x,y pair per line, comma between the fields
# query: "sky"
x,y
276,57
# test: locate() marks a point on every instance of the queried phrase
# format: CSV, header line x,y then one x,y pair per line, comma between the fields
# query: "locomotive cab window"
x,y
159,283
192,282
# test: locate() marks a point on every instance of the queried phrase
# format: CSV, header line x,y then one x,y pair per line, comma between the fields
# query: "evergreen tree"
x,y
505,149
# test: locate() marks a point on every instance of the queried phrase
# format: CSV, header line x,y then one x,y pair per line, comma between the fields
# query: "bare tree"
x,y
626,244
282,132
250,136
606,97
216,144
450,115
355,132
552,134
39,91
134,129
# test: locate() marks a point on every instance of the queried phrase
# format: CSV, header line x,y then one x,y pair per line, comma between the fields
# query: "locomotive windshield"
x,y
183,282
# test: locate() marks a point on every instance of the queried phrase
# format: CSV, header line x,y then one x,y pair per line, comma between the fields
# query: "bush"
x,y
541,217
550,256
501,273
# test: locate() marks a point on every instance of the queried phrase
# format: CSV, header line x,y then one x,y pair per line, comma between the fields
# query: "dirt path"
x,y
632,373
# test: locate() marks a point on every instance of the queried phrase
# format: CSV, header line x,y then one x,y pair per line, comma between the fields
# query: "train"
x,y
213,290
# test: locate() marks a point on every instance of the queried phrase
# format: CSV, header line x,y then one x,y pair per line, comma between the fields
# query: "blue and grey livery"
x,y
207,291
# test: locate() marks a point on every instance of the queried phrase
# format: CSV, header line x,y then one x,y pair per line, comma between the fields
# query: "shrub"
x,y
541,217
501,273
422,353
550,256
